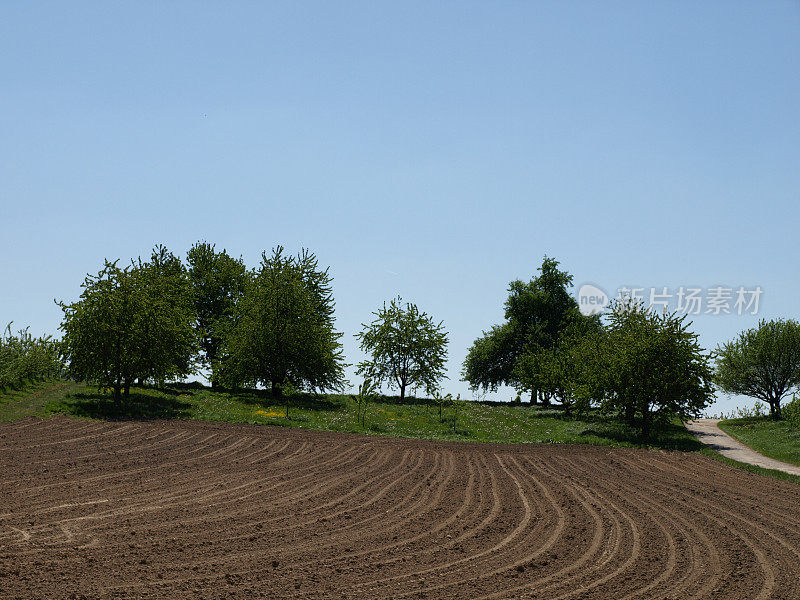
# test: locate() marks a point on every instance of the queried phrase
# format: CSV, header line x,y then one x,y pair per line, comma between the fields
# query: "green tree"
x,y
218,282
762,362
652,368
283,332
100,330
132,323
407,348
566,369
164,321
536,312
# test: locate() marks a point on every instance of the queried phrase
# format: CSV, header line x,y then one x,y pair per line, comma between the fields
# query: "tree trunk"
x,y
545,399
775,409
402,392
117,392
127,388
630,414
646,424
533,396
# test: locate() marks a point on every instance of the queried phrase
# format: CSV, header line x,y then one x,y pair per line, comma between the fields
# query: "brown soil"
x,y
211,510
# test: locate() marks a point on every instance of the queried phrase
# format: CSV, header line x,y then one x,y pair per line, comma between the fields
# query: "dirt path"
x,y
186,509
707,431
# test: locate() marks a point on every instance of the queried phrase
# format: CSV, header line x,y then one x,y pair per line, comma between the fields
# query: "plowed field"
x,y
182,509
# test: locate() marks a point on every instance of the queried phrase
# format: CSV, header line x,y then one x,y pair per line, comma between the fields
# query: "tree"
x,y
652,368
762,362
132,323
164,322
283,332
100,332
566,369
407,348
218,282
536,312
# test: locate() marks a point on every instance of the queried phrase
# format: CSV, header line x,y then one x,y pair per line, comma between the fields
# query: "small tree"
x,y
218,282
763,363
366,393
653,368
407,348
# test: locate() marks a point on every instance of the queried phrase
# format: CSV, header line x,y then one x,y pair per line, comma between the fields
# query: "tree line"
x,y
273,325
25,358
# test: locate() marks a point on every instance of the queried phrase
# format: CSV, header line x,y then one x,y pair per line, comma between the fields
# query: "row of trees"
x,y
272,326
24,358
158,320
640,366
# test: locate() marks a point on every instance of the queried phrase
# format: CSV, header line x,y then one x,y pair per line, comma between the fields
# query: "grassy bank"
x,y
775,439
414,418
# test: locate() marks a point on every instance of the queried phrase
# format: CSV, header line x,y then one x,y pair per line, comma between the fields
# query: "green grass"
x,y
33,399
776,439
413,418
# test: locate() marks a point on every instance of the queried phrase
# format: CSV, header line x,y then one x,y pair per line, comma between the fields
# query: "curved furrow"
x,y
564,576
453,567
295,515
708,511
187,497
190,509
300,547
735,499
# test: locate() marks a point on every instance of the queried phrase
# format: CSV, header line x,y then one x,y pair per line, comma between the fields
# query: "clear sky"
x,y
435,150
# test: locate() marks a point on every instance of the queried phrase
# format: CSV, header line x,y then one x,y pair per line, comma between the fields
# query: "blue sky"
x,y
432,150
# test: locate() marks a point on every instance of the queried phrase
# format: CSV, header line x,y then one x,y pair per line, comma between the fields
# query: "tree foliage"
x,y
406,348
132,323
283,331
564,369
24,358
218,281
762,362
537,313
651,369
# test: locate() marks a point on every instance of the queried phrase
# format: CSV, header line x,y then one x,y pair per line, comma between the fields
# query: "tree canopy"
x,y
651,368
132,323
